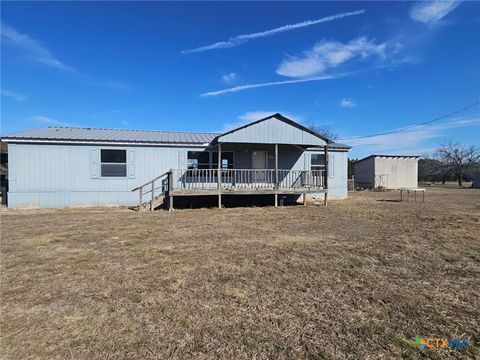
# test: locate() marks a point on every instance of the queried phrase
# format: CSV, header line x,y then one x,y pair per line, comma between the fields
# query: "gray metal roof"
x,y
71,134
339,146
388,156
112,135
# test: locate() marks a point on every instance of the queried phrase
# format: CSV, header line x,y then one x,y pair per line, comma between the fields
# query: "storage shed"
x,y
387,171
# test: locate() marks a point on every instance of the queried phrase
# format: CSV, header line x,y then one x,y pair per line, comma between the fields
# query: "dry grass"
x,y
355,280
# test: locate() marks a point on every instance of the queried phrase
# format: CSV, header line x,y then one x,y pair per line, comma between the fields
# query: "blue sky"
x,y
360,67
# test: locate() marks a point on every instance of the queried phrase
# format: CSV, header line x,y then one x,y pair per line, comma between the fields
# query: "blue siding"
x,y
48,175
69,175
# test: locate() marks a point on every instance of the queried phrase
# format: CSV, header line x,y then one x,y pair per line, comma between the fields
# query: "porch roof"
x,y
273,129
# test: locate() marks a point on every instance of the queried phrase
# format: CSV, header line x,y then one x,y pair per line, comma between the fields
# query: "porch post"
x,y
219,175
170,188
325,185
140,204
276,174
276,166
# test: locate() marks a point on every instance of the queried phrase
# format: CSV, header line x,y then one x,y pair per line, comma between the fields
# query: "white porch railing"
x,y
246,179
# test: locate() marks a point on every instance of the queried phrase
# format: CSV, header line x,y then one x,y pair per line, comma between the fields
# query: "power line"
x,y
417,125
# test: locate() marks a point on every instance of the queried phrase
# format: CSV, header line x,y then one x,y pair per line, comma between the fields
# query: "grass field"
x,y
356,280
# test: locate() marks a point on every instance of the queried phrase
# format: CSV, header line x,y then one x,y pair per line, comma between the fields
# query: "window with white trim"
x,y
317,162
113,163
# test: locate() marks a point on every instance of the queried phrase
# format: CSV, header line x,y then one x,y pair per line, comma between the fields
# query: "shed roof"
x,y
389,156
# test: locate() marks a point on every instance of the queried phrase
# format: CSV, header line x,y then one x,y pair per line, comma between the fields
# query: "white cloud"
x,y
230,78
45,120
259,114
326,55
13,95
348,103
34,49
410,140
251,116
266,84
241,39
432,12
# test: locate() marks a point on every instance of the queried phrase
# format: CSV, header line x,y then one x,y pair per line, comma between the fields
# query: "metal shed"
x,y
387,171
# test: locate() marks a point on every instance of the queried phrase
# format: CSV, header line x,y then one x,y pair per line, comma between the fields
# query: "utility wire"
x,y
417,125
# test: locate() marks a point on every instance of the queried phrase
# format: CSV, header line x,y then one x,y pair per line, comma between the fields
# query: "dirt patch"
x,y
358,279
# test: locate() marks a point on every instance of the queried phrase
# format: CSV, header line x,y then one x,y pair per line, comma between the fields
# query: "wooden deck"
x,y
219,182
246,191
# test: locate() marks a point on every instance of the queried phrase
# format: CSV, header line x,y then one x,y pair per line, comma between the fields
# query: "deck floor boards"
x,y
280,191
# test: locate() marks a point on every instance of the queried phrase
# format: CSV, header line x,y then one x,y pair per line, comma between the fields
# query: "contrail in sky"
x,y
242,39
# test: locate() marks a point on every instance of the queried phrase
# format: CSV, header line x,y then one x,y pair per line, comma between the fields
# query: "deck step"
x,y
158,201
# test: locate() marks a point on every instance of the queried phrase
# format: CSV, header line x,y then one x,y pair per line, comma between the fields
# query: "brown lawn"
x,y
358,279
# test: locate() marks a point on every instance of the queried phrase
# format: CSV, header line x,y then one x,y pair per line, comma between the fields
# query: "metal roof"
x,y
389,156
112,135
73,134
338,146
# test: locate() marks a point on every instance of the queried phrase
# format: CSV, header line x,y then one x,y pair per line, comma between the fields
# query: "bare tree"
x,y
458,158
324,130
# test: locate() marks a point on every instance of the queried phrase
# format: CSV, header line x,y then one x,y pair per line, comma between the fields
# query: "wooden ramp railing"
x,y
184,182
246,179
157,188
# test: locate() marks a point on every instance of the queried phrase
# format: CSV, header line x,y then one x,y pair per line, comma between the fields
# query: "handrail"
x,y
228,180
231,179
153,180
152,190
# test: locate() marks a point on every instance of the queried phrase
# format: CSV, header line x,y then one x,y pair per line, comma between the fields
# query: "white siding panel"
x,y
12,162
94,166
131,164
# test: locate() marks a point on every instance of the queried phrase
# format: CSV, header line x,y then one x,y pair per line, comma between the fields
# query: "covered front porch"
x,y
265,157
249,169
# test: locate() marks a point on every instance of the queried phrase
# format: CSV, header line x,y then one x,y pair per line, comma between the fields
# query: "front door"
x,y
259,162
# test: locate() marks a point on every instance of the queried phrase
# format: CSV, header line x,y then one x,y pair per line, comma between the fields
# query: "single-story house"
x,y
59,167
387,171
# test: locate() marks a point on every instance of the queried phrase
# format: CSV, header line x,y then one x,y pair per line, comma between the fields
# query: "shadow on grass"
x,y
389,200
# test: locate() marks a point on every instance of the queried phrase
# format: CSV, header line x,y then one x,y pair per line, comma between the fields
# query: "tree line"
x,y
450,162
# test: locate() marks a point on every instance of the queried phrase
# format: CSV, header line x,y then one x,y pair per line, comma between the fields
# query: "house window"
x,y
227,160
113,163
201,160
317,162
198,160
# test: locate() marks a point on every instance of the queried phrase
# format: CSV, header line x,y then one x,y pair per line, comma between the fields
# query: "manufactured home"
x,y
59,167
387,171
